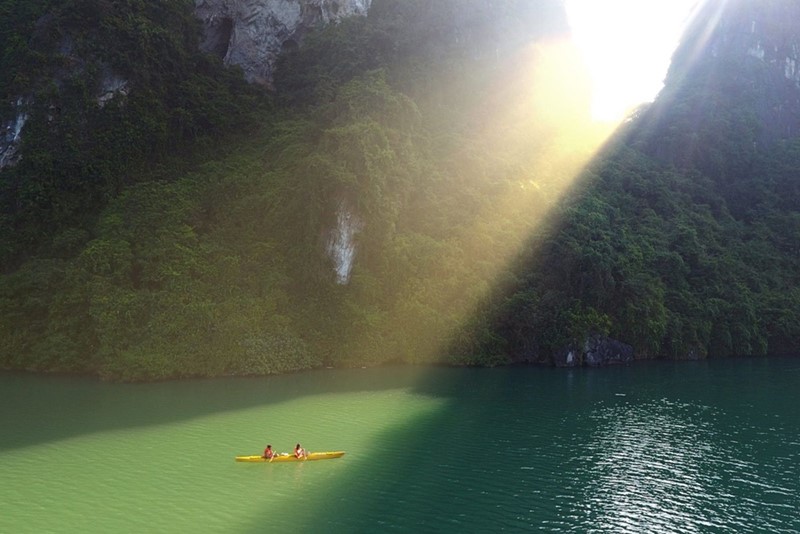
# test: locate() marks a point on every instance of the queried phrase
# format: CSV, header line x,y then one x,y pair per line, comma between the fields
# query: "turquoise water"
x,y
652,447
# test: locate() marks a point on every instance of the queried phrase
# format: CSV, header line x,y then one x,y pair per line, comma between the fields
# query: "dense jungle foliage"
x,y
178,228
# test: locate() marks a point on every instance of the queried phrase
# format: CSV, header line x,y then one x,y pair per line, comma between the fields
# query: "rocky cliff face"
x,y
251,33
10,132
752,47
247,33
341,244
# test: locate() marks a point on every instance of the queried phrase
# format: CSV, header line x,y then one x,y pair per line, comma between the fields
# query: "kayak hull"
x,y
280,458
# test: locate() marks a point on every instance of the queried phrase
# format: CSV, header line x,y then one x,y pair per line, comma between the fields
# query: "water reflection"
x,y
663,466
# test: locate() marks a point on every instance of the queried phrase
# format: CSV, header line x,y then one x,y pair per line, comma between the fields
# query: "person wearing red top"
x,y
269,453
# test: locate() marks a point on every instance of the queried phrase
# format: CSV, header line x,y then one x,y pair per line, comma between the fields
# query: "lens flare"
x,y
627,46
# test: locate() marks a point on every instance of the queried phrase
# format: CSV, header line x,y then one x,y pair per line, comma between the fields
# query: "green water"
x,y
652,447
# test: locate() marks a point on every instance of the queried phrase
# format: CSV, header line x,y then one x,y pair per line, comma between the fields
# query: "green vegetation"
x,y
116,93
660,254
133,250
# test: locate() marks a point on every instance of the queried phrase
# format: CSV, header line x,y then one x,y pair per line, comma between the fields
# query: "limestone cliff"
x,y
745,53
251,33
10,135
754,46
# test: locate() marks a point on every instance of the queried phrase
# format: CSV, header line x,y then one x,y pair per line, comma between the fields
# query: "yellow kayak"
x,y
291,457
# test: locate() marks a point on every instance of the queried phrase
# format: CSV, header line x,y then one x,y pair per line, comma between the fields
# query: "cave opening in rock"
x,y
220,37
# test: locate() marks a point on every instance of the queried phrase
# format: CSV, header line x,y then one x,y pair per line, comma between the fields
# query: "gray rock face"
x,y
596,351
251,33
341,245
599,350
112,86
10,132
748,44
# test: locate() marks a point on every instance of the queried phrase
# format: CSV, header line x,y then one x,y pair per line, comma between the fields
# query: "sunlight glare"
x,y
627,46
536,125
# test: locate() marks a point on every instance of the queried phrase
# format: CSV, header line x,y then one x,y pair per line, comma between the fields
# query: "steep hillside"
x,y
97,95
417,190
685,240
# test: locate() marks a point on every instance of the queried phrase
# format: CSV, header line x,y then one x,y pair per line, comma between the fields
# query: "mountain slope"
x,y
411,196
686,238
108,93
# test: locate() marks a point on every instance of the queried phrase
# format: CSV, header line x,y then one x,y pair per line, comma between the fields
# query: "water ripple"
x,y
499,451
662,466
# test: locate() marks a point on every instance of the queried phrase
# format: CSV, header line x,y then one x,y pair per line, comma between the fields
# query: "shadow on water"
x,y
462,468
499,453
103,406
502,453
66,407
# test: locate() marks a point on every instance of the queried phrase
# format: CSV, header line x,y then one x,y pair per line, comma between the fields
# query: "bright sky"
x,y
627,46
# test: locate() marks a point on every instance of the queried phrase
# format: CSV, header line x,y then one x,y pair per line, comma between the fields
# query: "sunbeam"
x,y
552,108
536,133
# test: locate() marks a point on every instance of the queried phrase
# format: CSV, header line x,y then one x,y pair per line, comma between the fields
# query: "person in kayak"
x,y
299,452
269,454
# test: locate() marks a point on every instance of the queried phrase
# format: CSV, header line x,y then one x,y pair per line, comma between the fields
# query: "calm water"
x,y
653,447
